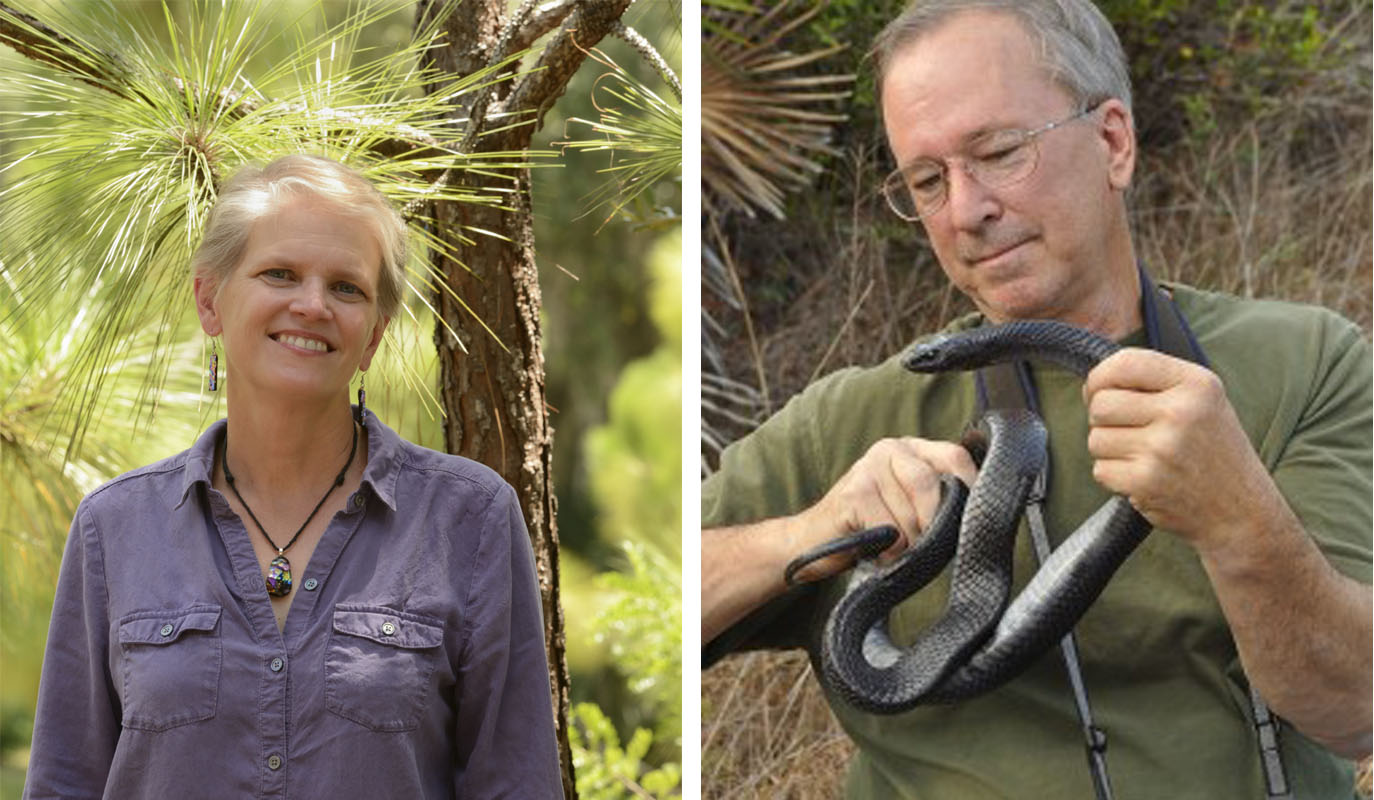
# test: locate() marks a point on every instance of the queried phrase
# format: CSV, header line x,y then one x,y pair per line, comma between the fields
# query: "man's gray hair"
x,y
1077,44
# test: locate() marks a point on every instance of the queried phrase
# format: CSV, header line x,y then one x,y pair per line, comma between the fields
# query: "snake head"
x,y
930,355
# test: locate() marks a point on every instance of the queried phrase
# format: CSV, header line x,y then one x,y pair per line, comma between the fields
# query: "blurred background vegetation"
x,y
1254,177
611,283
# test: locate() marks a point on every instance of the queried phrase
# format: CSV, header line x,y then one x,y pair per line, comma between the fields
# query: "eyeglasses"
x,y
994,159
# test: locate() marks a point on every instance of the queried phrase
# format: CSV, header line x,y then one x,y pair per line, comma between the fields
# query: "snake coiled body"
x,y
982,641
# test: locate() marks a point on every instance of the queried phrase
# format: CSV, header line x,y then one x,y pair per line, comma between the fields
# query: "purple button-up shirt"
x,y
411,664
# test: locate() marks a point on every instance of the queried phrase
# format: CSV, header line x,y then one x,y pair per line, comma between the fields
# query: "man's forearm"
x,y
1302,629
741,569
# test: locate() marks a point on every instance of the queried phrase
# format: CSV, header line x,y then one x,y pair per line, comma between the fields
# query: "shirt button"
x,y
388,628
277,664
274,762
310,584
358,500
166,629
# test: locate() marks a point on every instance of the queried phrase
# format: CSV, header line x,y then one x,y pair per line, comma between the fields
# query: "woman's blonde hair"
x,y
254,192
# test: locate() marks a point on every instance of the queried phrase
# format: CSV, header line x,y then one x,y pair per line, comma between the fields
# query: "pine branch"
x,y
477,113
546,17
590,22
636,40
32,39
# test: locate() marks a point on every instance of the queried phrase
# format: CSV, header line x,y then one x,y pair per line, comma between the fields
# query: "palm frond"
x,y
762,123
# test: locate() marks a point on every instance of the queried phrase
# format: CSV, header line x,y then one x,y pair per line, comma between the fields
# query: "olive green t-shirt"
x,y
1161,668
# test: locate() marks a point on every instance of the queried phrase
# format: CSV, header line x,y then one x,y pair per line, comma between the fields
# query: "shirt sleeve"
x,y
77,721
774,471
1324,471
505,735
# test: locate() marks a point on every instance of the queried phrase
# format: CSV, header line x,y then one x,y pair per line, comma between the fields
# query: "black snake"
x,y
980,642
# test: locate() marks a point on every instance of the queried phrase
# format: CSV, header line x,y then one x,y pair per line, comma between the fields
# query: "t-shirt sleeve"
x,y
768,473
776,470
1324,469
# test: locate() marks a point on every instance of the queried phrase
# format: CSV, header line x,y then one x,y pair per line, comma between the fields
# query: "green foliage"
x,y
595,279
635,464
1193,63
608,771
643,133
633,460
644,628
133,157
1196,65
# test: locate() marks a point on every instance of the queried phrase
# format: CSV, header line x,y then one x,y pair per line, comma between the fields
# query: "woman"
x,y
302,604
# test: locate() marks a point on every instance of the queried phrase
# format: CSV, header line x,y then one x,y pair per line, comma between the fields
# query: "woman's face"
x,y
298,315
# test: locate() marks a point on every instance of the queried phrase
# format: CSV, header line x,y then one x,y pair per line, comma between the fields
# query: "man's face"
x,y
1051,245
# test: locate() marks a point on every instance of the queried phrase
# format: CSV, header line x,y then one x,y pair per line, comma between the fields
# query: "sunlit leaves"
x,y
640,130
105,181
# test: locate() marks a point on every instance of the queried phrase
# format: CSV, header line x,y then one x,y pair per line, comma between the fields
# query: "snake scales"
x,y
981,641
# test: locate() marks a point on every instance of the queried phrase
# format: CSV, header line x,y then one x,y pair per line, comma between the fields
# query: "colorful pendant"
x,y
279,577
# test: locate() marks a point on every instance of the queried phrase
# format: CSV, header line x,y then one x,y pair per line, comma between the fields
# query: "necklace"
x,y
279,570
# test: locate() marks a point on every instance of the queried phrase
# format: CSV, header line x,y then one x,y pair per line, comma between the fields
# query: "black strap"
x,y
1011,386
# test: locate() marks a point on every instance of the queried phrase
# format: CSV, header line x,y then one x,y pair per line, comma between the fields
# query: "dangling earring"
x,y
214,367
362,400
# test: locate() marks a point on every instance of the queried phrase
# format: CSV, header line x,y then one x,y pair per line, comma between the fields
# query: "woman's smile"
x,y
307,281
305,342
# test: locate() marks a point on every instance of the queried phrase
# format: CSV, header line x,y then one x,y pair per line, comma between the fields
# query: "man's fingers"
x,y
1138,369
1121,408
949,458
896,482
900,486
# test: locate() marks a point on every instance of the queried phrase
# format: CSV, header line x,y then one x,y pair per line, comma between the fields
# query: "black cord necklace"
x,y
279,570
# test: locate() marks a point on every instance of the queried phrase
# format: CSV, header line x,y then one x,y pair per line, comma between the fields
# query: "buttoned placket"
x,y
274,712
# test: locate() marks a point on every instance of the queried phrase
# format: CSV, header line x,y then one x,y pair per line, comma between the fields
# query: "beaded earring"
x,y
214,367
362,400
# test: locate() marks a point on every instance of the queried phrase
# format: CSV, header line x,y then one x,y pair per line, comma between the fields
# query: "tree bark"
x,y
492,387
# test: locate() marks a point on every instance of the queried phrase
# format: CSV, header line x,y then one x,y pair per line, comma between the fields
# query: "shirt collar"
x,y
200,460
383,456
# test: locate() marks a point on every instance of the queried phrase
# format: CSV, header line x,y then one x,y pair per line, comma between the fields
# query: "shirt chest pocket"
x,y
171,666
378,665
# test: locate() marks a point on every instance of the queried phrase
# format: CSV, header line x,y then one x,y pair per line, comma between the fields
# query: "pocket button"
x,y
388,628
166,629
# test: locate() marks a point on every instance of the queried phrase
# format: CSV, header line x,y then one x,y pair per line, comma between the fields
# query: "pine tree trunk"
x,y
492,388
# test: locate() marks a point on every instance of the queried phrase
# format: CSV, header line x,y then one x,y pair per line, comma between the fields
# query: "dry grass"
x,y
1275,206
1279,208
767,731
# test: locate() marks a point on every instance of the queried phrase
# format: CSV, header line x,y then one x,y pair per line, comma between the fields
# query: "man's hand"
x,y
897,482
1164,435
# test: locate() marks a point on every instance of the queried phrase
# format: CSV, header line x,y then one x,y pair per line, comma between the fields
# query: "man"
x,y
1011,123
